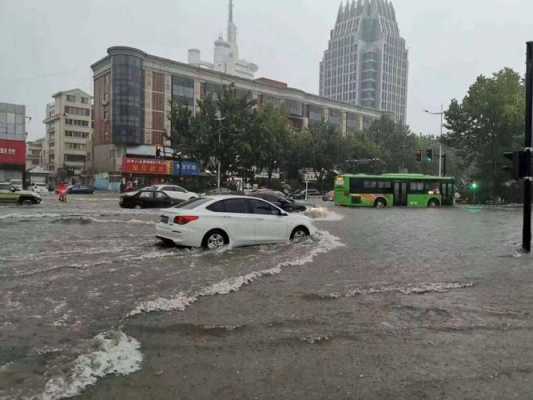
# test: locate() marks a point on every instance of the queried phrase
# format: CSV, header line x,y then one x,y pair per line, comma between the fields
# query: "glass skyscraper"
x,y
366,63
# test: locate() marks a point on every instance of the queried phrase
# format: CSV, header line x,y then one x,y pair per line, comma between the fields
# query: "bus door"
x,y
400,194
448,193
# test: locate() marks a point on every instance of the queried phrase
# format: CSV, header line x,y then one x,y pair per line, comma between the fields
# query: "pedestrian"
x,y
63,189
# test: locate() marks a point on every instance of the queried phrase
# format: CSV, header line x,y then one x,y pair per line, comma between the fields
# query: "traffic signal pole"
x,y
526,235
440,139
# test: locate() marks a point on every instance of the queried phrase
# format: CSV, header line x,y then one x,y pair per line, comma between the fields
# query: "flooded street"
x,y
392,303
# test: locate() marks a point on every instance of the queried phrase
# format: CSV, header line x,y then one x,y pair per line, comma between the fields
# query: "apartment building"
x,y
68,148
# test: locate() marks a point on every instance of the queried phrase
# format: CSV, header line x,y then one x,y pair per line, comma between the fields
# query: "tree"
x,y
364,155
269,144
488,122
181,122
324,148
397,143
221,130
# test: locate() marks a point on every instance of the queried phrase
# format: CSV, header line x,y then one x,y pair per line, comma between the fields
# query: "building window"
x,y
71,98
75,134
77,111
75,146
85,100
183,90
76,122
127,100
75,158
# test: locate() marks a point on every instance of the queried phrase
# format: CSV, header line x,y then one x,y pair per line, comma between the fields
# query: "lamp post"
x,y
219,119
441,114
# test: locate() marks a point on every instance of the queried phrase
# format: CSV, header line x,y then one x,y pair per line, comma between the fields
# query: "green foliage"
x,y
228,128
488,122
397,143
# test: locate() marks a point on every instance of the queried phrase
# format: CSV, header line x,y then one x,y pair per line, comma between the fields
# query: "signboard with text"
x,y
188,168
12,152
141,166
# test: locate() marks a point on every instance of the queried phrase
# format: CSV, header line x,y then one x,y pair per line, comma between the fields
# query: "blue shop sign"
x,y
188,168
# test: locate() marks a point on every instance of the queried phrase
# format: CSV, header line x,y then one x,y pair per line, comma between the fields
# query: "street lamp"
x,y
441,114
219,118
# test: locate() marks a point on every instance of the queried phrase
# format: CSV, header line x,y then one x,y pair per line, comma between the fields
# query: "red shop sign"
x,y
143,166
12,152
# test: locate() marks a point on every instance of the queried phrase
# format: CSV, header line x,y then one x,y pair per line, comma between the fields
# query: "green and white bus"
x,y
389,190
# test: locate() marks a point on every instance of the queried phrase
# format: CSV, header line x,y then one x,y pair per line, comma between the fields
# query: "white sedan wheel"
x,y
215,241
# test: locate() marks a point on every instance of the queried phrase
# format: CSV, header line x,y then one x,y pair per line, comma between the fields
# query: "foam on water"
x,y
182,300
323,214
420,288
115,353
29,216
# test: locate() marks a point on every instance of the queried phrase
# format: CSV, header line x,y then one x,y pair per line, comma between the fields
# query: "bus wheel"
x,y
380,203
433,203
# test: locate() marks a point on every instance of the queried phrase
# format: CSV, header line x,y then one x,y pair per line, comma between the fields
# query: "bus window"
x,y
356,186
385,187
416,187
370,185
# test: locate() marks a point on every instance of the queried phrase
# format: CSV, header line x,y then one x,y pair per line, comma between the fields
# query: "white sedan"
x,y
217,221
174,191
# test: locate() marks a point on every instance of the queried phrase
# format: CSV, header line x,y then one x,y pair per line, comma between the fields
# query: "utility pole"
x,y
441,114
526,235
440,139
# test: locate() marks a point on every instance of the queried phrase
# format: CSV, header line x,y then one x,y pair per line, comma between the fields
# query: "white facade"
x,y
226,54
68,145
34,153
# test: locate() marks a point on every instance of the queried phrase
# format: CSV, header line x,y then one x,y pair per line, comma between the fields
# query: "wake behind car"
x,y
148,198
280,200
11,194
217,221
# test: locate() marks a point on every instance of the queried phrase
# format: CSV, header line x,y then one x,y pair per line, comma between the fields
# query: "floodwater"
x,y
400,303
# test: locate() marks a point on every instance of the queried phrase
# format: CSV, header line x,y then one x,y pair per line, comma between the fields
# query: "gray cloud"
x,y
48,46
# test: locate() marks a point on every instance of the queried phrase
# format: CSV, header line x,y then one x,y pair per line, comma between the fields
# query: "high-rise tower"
x,y
366,62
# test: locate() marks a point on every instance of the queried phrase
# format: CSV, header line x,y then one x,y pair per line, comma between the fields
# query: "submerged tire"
x,y
380,203
299,233
215,239
433,203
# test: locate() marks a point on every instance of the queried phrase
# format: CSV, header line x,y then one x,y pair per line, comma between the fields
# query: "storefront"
x,y
142,172
12,160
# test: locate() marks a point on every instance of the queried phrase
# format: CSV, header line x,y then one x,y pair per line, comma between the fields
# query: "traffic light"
x,y
520,164
429,155
474,186
419,155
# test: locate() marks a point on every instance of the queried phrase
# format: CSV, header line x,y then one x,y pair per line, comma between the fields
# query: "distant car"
x,y
11,194
217,221
174,191
80,189
280,200
301,194
16,183
148,199
39,188
329,196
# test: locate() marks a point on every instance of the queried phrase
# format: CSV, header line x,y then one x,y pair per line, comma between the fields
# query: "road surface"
x,y
383,304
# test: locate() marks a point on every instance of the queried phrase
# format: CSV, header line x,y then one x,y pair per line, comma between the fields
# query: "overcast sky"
x,y
48,45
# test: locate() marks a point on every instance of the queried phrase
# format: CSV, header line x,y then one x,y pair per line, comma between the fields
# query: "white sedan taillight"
x,y
185,219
